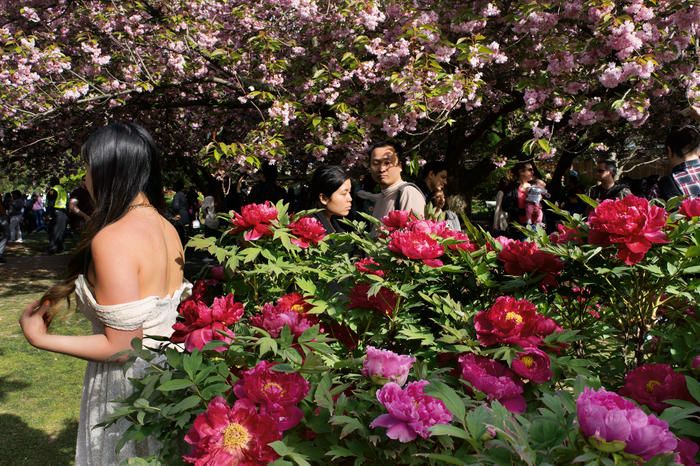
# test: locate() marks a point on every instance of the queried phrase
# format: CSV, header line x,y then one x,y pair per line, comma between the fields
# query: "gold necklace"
x,y
136,206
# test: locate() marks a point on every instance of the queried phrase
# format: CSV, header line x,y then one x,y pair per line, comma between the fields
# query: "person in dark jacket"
x,y
330,190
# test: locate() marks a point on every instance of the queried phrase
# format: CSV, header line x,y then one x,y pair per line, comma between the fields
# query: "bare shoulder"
x,y
115,239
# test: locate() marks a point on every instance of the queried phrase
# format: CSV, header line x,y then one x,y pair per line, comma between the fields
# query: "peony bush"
x,y
400,341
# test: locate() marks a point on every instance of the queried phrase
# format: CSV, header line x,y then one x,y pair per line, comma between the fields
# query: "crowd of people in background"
x,y
518,201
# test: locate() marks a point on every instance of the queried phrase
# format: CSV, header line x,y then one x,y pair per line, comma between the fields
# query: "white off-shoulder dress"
x,y
107,381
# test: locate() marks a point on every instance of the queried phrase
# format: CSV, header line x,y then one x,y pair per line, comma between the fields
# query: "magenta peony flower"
x,y
273,319
204,289
308,230
605,416
565,235
387,365
397,219
198,324
430,227
369,265
231,435
383,302
411,412
686,451
278,393
494,379
695,364
631,223
417,245
217,273
533,364
520,257
652,384
690,207
255,220
514,322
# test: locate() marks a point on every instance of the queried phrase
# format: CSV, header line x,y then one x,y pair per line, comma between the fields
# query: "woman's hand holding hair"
x,y
34,322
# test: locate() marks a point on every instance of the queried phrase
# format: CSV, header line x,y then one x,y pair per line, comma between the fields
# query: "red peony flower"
x,y
686,451
631,223
520,257
307,230
417,245
565,235
464,243
217,273
691,207
199,324
494,379
369,265
277,393
293,302
652,384
231,435
533,364
397,219
204,288
383,302
255,220
512,321
274,318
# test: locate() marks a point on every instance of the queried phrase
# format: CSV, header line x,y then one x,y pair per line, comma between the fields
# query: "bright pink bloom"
x,y
369,265
533,364
520,257
606,416
397,219
565,235
686,452
231,435
417,245
464,243
411,412
278,393
691,207
274,318
383,302
494,379
387,365
199,324
431,227
308,230
255,220
652,384
631,223
512,321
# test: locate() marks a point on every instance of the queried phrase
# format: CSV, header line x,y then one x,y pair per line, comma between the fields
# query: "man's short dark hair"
x,y
393,144
610,164
53,181
683,140
434,167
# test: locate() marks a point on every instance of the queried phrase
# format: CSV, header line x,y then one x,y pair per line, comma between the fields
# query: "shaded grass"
x,y
39,391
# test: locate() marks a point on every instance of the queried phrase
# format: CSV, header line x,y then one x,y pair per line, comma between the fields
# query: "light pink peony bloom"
x,y
387,365
533,364
494,379
274,318
605,416
411,412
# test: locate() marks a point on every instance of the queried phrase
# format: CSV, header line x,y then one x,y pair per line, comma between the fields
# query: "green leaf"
x,y
693,387
449,429
188,403
192,363
443,458
177,384
452,400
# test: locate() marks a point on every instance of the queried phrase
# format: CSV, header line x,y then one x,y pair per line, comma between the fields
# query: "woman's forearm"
x,y
90,347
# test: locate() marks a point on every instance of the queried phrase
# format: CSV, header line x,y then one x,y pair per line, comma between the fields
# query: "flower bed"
x,y
419,345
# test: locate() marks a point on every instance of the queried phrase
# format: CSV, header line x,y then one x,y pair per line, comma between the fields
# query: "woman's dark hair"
x,y
326,180
519,166
123,161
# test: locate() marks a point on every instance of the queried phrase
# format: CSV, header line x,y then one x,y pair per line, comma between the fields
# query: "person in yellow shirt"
x,y
57,199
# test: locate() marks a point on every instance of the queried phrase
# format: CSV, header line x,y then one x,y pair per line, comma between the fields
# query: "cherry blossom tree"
x,y
227,84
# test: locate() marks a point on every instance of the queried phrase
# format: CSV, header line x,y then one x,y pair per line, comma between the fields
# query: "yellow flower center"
x,y
528,361
272,387
651,384
299,308
235,436
514,316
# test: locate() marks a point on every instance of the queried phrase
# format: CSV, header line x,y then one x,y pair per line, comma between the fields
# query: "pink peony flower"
x,y
417,245
520,257
308,230
255,220
383,302
605,416
464,243
273,319
691,207
514,322
686,452
695,364
387,365
217,273
231,435
198,324
278,393
533,364
565,235
397,219
494,379
652,384
411,412
369,265
631,223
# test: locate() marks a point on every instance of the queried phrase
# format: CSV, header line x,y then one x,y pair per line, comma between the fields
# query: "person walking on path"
x,y
16,214
58,218
127,276
38,212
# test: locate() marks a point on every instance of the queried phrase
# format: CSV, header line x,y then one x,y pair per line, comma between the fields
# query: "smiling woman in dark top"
x,y
330,190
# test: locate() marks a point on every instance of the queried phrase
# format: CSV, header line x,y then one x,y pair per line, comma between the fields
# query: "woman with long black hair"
x,y
127,276
330,190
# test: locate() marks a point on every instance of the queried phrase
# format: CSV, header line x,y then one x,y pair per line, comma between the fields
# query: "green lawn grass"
x,y
39,391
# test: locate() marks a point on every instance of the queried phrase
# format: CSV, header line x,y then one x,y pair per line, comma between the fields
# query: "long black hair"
x,y
326,180
123,160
